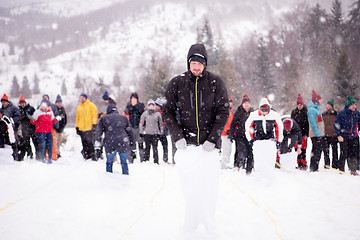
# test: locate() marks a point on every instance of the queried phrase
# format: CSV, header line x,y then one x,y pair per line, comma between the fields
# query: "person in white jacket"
x,y
264,131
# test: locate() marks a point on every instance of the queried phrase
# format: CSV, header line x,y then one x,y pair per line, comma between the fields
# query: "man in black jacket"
x,y
299,114
27,130
243,153
8,111
133,112
62,123
196,111
118,137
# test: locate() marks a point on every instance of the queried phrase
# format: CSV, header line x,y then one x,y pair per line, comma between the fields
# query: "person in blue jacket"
x,y
346,127
317,131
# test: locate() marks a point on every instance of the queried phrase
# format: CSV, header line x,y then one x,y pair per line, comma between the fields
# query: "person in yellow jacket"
x,y
86,121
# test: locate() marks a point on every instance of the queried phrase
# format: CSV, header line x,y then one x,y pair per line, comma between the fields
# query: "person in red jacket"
x,y
43,119
226,143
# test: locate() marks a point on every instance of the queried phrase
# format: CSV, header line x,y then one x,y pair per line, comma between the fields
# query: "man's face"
x,y
196,68
4,103
329,107
246,106
22,104
82,99
151,107
264,113
134,101
58,104
352,107
300,106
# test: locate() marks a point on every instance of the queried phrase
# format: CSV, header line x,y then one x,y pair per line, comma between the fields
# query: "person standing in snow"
x,y
316,131
43,119
62,123
86,120
243,153
346,126
150,128
163,136
291,132
330,136
196,111
27,129
226,143
118,138
264,131
299,114
133,111
10,117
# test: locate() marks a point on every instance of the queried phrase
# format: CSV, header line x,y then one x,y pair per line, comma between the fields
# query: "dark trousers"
x,y
45,141
132,153
244,157
26,146
151,141
349,151
318,146
164,142
88,144
333,143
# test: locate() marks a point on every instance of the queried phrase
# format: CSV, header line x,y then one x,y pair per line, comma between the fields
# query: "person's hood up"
x,y
197,49
111,108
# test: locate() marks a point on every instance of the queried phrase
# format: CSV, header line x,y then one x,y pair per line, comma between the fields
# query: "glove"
x,y
97,145
142,135
181,144
278,145
58,118
251,142
77,131
208,146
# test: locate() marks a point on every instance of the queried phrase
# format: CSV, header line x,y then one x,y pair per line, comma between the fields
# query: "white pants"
x,y
226,147
199,173
265,158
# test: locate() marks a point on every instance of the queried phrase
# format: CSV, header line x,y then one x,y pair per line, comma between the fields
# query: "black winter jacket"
x,y
202,105
134,113
300,116
25,114
63,121
118,134
294,130
237,127
11,111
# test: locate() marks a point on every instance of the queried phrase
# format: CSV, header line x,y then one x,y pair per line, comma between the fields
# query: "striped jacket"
x,y
260,127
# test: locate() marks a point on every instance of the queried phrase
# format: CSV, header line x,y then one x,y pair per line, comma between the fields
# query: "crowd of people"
x,y
146,126
19,126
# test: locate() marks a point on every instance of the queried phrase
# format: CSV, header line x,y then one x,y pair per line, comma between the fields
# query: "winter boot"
x,y
109,167
49,161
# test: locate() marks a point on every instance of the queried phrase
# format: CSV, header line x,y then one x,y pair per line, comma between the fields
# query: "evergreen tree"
x,y
63,88
25,90
78,83
337,25
3,53
36,89
345,85
262,76
15,88
12,49
116,80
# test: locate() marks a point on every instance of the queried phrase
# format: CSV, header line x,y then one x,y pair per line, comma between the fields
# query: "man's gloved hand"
x,y
181,144
58,118
208,146
97,145
77,131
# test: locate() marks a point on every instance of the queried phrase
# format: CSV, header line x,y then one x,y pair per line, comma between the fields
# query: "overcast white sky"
x,y
324,3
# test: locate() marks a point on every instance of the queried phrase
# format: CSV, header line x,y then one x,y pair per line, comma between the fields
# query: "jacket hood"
x,y
197,49
111,108
264,101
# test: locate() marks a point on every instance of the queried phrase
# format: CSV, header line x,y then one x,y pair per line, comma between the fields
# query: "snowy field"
x,y
76,199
